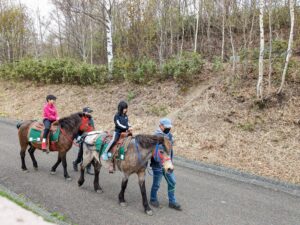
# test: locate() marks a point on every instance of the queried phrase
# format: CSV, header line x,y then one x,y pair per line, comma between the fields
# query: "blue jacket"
x,y
121,123
159,132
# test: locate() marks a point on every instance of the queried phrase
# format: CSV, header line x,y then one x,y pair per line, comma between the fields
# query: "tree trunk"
x,y
233,49
109,43
197,24
270,44
289,50
182,37
259,87
223,31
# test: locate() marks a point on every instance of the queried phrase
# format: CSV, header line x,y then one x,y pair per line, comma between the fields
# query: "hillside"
x,y
213,122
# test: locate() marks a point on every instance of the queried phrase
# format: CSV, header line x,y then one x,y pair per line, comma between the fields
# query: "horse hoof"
x,y
68,179
52,172
35,168
123,204
99,191
149,212
25,170
80,183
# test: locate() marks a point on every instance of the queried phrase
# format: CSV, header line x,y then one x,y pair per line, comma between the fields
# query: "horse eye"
x,y
161,151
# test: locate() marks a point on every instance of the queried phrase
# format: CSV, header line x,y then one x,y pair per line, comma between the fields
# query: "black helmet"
x,y
122,105
50,97
87,110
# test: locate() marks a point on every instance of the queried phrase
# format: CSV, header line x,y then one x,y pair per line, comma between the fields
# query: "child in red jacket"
x,y
50,115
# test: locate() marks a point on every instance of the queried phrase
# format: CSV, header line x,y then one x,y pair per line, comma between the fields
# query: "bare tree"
x,y
270,43
196,8
223,30
289,50
259,87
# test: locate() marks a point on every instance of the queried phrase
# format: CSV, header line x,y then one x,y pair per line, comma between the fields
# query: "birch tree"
x,y
196,8
259,87
289,50
109,41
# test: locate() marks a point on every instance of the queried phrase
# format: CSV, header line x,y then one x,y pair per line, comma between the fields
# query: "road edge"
x,y
222,171
237,175
47,216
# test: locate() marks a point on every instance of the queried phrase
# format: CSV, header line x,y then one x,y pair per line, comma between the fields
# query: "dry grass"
x,y
212,123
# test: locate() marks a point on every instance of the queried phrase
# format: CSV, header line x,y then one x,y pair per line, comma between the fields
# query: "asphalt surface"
x,y
205,198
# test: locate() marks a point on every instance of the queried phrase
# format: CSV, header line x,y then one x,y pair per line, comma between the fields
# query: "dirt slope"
x,y
211,122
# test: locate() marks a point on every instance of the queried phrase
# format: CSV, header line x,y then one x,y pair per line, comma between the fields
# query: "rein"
x,y
156,155
68,137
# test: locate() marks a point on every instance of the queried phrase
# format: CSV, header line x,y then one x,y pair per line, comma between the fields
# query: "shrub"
x,y
183,69
53,71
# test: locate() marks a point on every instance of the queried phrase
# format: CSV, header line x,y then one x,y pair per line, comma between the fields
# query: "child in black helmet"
x,y
121,125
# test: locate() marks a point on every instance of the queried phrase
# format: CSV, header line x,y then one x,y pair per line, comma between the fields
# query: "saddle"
x,y
118,150
36,132
121,146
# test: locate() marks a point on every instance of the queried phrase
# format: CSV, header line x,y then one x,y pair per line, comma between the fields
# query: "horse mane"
x,y
70,122
148,141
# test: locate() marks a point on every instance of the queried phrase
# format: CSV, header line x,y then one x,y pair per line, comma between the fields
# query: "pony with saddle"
x,y
130,155
61,137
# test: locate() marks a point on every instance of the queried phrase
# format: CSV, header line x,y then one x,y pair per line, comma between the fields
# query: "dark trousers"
x,y
47,124
80,154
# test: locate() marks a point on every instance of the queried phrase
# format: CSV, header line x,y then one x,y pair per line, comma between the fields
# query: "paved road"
x,y
206,199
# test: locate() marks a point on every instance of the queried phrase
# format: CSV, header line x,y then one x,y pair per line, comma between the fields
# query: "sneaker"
x,y
104,156
111,168
175,206
154,204
75,166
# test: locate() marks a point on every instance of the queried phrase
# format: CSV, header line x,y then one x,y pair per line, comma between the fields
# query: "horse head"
x,y
165,154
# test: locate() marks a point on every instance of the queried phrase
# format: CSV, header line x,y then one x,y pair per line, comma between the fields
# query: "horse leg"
x,y
122,192
87,159
141,176
64,163
97,167
54,167
31,153
22,154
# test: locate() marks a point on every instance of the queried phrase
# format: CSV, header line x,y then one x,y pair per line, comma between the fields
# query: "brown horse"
x,y
69,127
139,151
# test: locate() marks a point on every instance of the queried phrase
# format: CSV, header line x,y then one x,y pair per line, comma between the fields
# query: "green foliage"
x,y
130,96
145,70
247,126
54,71
122,67
217,64
158,110
59,216
136,71
69,71
279,48
183,69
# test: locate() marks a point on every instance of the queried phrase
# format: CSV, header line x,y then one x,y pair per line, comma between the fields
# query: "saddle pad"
x,y
100,146
34,135
54,136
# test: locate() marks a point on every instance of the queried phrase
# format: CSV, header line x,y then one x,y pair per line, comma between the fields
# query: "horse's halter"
x,y
158,155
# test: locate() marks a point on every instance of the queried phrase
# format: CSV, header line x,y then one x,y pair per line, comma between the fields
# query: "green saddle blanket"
x,y
35,135
101,145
